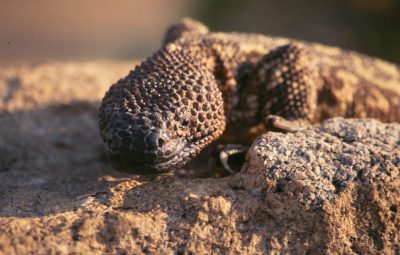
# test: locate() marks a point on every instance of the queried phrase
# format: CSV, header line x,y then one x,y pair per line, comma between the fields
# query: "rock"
x,y
336,186
333,188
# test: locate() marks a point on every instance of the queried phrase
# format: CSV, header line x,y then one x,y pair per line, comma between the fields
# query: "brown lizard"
x,y
176,102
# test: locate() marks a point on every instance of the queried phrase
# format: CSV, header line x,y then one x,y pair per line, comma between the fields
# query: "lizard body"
x,y
183,97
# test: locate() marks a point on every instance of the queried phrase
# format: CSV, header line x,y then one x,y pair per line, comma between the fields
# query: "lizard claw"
x,y
227,155
224,156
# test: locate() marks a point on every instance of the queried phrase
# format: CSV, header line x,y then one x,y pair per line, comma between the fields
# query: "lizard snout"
x,y
162,144
146,153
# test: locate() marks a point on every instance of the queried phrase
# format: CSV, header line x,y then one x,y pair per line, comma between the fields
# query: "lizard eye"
x,y
186,122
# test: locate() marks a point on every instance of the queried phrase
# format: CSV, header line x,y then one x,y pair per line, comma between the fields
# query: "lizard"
x,y
200,85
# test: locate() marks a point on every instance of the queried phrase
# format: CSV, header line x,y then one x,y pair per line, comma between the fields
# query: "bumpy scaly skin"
x,y
181,99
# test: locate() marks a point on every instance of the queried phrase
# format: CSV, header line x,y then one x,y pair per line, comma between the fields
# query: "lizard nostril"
x,y
161,142
154,141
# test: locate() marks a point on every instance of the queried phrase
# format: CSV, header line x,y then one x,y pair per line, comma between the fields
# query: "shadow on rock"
x,y
51,158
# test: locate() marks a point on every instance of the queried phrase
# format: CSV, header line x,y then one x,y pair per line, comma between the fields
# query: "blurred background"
x,y
126,29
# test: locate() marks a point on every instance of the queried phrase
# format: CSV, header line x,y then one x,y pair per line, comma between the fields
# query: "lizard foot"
x,y
227,159
278,124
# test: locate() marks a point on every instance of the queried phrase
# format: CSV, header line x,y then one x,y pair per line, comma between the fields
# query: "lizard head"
x,y
153,121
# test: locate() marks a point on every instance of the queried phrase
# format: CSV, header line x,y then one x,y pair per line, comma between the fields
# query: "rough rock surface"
x,y
336,187
333,188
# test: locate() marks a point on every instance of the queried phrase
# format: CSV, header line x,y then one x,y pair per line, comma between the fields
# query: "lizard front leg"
x,y
289,79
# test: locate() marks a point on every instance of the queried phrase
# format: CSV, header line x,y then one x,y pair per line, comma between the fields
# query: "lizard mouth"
x,y
183,154
171,155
